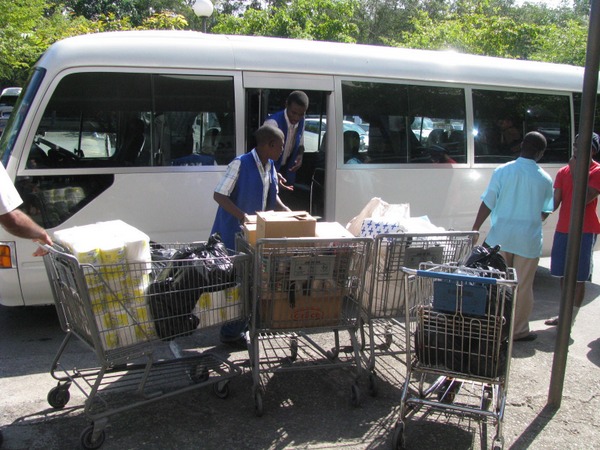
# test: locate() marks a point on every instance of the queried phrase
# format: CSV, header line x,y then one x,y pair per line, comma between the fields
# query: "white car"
x,y
314,128
8,98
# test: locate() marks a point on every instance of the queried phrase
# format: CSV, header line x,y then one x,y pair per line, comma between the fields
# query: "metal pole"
x,y
580,181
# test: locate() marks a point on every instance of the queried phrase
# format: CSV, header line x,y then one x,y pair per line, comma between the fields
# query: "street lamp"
x,y
204,9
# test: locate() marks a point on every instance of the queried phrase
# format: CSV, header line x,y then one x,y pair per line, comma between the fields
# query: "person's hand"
x,y
45,239
297,164
282,182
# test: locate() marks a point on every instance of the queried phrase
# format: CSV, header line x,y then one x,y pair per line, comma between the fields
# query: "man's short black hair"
x,y
266,133
533,143
299,98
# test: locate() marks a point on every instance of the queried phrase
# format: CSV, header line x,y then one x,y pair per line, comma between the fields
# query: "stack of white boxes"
x,y
117,282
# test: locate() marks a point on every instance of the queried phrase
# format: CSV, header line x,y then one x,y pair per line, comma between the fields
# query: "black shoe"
x,y
527,338
553,321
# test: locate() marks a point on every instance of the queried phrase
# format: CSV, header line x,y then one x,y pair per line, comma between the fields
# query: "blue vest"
x,y
247,195
279,117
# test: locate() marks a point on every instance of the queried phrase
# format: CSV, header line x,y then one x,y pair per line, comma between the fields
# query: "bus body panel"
x,y
175,203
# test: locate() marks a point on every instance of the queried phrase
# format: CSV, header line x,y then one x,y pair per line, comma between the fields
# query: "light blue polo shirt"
x,y
517,194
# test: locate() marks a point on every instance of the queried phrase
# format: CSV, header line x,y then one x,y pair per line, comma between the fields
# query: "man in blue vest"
x,y
291,121
249,185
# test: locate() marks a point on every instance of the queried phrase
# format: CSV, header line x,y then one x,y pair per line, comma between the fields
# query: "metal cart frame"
x,y
105,307
303,287
384,301
459,329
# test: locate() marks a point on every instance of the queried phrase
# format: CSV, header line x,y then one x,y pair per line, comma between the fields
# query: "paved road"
x,y
304,409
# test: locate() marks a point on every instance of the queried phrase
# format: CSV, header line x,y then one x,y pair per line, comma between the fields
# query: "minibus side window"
x,y
501,119
405,123
136,120
577,113
19,113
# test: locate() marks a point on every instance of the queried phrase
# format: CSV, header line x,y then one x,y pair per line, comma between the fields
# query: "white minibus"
x,y
140,126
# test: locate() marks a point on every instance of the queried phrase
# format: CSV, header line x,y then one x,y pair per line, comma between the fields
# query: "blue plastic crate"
x,y
472,298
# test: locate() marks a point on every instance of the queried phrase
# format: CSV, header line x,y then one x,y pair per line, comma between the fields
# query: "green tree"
x,y
564,44
137,11
327,20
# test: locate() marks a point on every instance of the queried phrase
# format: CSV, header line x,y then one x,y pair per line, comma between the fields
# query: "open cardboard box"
x,y
330,230
282,224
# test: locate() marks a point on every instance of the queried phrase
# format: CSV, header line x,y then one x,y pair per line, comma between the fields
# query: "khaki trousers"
x,y
525,269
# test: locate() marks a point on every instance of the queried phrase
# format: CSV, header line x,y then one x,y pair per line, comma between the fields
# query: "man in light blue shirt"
x,y
518,198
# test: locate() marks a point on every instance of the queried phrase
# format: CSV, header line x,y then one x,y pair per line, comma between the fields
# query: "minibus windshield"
x,y
7,142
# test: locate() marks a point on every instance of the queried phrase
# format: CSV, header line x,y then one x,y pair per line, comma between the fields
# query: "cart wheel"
x,y
398,437
332,354
58,397
293,349
373,388
86,438
199,374
486,398
389,338
498,444
448,390
355,395
258,403
221,389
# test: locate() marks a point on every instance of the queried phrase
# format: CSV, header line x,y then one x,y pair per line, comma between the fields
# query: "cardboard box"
x,y
249,230
305,311
281,224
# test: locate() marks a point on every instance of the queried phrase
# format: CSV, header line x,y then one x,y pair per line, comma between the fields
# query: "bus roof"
x,y
194,50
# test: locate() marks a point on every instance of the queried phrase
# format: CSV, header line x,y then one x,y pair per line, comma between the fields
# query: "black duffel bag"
x,y
191,271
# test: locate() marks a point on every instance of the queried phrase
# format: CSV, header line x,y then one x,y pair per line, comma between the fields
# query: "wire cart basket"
x,y
302,289
384,300
459,327
138,319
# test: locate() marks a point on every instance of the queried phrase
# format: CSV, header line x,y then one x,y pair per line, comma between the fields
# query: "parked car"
x,y
312,127
8,98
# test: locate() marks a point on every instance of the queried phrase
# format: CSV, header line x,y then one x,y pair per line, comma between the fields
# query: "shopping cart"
x,y
459,340
304,289
139,321
384,297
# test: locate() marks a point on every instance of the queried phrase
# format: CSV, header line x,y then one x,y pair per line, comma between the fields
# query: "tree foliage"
x,y
325,20
486,27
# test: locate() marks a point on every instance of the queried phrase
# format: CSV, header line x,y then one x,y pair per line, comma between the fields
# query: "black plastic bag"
x,y
191,271
486,258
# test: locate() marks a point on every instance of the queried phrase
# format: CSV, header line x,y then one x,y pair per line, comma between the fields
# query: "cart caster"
x,y
221,389
373,388
486,398
332,354
398,437
258,403
59,396
355,395
86,438
448,390
498,444
389,338
199,374
293,349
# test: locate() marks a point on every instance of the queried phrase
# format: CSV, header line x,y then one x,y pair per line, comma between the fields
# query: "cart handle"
x,y
457,277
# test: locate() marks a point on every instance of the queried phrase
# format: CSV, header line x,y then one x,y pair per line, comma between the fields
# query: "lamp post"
x,y
204,9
